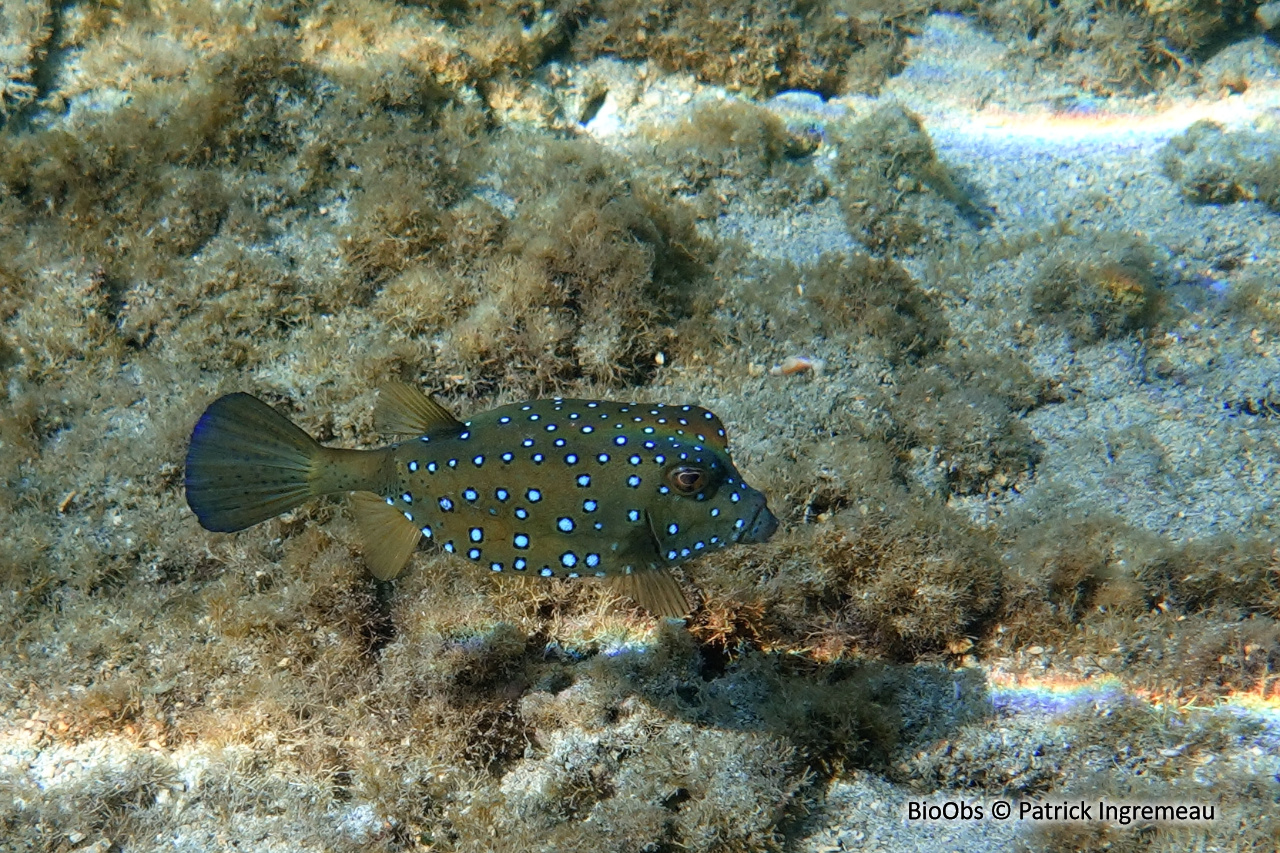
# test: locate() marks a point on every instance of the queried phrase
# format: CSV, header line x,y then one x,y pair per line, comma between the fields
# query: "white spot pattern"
x,y
655,437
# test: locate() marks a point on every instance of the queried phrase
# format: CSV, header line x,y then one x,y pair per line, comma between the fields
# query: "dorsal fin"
x,y
404,410
653,589
389,537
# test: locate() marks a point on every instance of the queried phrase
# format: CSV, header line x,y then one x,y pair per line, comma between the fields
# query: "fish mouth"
x,y
762,527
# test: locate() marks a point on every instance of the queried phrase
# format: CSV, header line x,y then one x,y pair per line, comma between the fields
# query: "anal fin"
x,y
389,538
653,589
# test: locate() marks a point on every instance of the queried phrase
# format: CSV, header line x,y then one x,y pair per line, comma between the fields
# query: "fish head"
x,y
702,501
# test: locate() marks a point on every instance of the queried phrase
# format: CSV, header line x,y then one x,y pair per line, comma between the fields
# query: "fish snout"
x,y
762,527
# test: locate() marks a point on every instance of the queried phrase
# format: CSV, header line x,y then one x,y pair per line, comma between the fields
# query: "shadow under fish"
x,y
556,487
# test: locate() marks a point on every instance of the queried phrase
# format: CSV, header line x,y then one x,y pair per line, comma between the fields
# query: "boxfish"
x,y
550,488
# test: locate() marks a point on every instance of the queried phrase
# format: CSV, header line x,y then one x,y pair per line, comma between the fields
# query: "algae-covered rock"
x,y
893,190
1107,47
306,201
24,34
1098,287
759,47
1213,165
645,780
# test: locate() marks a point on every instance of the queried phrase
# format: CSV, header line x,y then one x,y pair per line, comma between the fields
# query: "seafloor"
x,y
988,295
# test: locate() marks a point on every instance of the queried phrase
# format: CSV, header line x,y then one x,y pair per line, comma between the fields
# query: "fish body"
x,y
554,488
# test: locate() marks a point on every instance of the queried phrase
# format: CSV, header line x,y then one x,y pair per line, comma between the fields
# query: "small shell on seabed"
x,y
797,364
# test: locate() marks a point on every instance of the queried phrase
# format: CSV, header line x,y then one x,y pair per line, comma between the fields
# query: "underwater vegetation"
x,y
24,35
531,302
894,190
846,47
307,203
760,48
1111,294
1211,165
1105,47
871,298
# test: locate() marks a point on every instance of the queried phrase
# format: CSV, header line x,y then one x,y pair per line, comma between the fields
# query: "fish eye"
x,y
686,479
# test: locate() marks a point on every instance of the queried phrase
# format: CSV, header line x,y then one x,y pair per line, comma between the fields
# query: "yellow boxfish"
x,y
555,488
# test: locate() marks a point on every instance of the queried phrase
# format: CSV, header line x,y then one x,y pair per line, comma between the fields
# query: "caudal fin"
x,y
247,463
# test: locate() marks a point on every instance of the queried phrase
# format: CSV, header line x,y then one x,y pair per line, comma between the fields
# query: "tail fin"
x,y
247,463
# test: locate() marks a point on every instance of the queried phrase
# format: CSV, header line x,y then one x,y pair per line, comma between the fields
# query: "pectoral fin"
x,y
653,589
